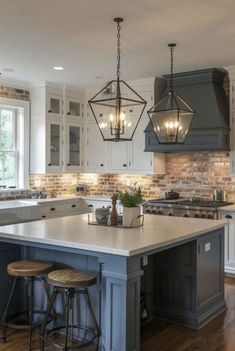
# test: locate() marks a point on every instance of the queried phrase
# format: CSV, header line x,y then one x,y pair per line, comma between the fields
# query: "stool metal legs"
x,y
69,292
4,318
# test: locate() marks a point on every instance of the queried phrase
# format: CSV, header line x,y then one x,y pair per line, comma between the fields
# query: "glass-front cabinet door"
x,y
54,146
73,157
74,108
54,105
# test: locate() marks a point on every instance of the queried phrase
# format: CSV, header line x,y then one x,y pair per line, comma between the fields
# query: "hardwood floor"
x,y
219,335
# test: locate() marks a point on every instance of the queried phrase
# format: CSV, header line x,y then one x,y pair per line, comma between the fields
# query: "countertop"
x,y
74,232
71,197
230,208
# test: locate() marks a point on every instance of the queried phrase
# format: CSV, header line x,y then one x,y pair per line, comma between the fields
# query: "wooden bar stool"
x,y
30,271
70,282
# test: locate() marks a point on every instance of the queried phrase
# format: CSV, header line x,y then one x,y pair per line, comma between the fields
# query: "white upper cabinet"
x,y
56,130
96,150
54,105
73,141
74,108
232,118
129,156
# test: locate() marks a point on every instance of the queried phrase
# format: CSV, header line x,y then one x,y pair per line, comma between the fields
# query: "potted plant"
x,y
131,200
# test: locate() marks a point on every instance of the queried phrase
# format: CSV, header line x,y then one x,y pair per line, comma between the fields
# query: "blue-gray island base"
x,y
185,271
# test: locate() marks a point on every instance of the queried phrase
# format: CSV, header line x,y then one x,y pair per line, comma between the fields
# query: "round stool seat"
x,y
71,278
28,268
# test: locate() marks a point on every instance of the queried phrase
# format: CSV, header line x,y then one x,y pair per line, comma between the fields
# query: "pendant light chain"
x,y
118,50
172,67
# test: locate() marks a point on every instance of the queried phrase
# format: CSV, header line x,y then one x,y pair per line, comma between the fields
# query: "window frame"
x,y
22,138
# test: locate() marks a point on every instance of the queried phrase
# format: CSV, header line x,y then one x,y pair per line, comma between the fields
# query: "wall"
x,y
14,93
192,174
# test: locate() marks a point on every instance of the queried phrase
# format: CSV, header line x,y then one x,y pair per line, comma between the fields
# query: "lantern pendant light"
x,y
117,108
171,116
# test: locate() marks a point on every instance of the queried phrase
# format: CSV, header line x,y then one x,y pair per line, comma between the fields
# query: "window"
x,y
14,143
8,151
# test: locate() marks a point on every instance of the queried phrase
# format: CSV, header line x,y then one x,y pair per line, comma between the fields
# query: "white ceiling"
x,y
80,35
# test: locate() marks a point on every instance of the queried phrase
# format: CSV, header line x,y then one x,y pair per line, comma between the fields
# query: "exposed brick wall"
x,y
192,174
14,93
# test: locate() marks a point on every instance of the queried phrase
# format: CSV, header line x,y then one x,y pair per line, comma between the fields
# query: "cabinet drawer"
x,y
52,208
73,206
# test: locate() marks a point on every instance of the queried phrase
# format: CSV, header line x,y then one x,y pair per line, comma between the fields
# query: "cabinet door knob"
x,y
43,216
49,164
101,165
124,164
49,111
53,209
228,217
74,205
68,113
68,164
90,205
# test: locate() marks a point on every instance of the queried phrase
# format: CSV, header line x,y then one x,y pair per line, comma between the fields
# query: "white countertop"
x,y
230,208
74,232
71,197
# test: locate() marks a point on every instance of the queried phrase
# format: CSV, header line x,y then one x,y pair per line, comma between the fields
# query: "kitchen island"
x,y
188,279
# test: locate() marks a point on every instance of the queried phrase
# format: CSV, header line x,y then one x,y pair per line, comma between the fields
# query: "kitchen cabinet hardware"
x,y
228,217
49,164
73,205
68,164
68,113
43,216
101,165
53,209
124,164
49,111
90,205
130,110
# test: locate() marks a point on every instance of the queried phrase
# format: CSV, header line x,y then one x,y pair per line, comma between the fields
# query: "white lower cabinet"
x,y
229,241
63,207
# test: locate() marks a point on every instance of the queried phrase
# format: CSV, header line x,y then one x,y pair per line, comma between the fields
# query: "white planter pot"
x,y
131,216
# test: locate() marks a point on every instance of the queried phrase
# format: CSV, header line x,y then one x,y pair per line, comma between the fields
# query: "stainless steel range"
x,y
195,207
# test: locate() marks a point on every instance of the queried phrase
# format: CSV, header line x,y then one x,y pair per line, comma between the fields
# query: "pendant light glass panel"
x,y
117,109
171,118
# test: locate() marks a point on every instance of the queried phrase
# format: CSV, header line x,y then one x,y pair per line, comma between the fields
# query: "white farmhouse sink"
x,y
17,211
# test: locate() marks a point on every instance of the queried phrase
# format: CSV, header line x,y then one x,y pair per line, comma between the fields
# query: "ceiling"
x,y
80,35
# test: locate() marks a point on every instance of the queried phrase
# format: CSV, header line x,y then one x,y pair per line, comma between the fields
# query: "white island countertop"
x,y
74,232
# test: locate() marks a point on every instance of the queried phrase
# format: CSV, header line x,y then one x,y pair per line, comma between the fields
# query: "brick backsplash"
x,y
14,93
190,173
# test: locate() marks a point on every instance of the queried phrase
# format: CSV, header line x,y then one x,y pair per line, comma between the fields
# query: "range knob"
x,y
196,215
154,212
170,214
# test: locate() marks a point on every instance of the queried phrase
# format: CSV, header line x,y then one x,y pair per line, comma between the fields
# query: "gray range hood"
x,y
203,91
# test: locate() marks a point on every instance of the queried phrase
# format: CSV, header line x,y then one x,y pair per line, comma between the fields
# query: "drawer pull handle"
x,y
74,205
68,164
124,165
43,216
49,164
101,165
68,113
90,205
53,209
49,111
228,217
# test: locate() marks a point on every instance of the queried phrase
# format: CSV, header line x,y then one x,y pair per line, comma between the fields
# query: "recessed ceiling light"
x,y
58,68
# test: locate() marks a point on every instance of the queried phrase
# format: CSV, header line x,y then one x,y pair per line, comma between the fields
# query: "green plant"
x,y
131,198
